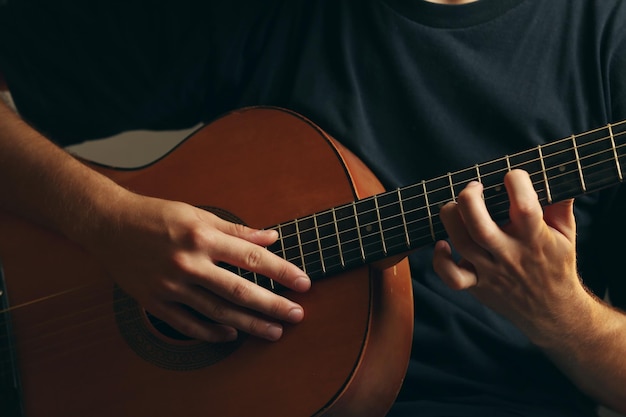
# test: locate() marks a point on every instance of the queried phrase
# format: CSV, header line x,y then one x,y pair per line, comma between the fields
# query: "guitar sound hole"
x,y
162,345
159,343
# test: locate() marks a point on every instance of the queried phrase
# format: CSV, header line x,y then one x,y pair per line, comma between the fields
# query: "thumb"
x,y
560,216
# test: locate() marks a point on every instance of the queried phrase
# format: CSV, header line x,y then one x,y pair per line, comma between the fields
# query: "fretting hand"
x,y
526,269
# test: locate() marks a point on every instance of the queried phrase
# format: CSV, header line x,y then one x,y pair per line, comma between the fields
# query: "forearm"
x,y
165,254
589,345
526,270
43,183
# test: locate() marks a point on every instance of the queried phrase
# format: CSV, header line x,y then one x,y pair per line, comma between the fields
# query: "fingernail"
x,y
295,315
302,284
274,332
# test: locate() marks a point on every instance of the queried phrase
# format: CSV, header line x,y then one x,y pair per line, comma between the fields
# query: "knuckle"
x,y
276,308
485,235
240,292
199,237
180,261
188,329
256,326
185,267
526,208
254,258
253,326
239,229
167,287
283,272
218,312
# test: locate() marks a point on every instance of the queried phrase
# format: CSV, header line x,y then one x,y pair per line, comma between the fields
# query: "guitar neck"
x,y
407,218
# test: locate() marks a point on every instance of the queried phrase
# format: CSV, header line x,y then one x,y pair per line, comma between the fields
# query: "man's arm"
x,y
172,246
527,272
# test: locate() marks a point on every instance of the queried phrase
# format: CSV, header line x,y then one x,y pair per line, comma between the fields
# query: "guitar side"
x,y
347,358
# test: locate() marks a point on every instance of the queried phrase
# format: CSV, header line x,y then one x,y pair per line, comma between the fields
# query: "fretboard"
x,y
407,218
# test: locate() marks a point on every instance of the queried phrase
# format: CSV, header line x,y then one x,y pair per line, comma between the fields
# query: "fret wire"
x,y
545,175
534,183
319,243
402,213
300,245
343,263
428,206
480,180
619,168
358,230
507,157
580,168
282,240
452,187
380,225
496,186
430,216
503,211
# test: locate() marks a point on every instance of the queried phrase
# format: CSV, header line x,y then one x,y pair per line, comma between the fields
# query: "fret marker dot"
x,y
369,228
498,188
562,168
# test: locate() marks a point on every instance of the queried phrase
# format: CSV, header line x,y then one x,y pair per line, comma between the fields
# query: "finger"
x,y
224,312
459,235
525,212
191,325
257,259
241,292
456,276
256,236
476,219
560,216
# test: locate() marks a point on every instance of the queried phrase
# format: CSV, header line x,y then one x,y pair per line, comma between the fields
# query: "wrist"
x,y
570,321
96,211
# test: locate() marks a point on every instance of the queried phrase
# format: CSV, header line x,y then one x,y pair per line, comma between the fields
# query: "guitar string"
x,y
534,160
93,307
434,203
398,217
426,228
377,232
60,349
316,252
408,212
447,188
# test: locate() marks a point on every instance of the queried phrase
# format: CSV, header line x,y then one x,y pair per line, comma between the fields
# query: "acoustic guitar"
x,y
75,345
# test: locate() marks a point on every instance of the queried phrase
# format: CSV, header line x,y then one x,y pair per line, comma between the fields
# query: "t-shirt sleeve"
x,y
80,70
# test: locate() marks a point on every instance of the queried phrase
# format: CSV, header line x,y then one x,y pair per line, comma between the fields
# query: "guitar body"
x,y
83,348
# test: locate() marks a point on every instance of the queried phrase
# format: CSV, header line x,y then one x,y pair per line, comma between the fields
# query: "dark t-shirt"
x,y
415,89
